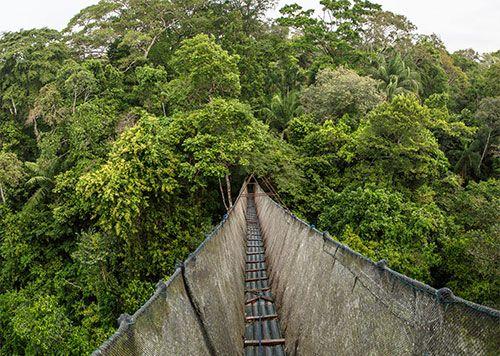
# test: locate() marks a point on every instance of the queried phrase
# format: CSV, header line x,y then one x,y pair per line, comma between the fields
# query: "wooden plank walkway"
x,y
262,332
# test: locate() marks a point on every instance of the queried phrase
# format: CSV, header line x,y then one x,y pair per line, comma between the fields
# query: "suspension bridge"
x,y
265,282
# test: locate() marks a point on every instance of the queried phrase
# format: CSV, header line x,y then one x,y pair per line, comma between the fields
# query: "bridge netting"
x,y
324,298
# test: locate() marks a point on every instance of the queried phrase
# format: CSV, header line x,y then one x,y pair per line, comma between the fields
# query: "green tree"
x,y
396,77
395,144
383,224
219,138
479,158
28,60
385,30
338,92
11,173
473,249
130,28
48,106
41,180
281,109
492,78
124,138
151,88
203,71
336,33
138,199
140,164
79,83
426,55
452,133
488,118
42,324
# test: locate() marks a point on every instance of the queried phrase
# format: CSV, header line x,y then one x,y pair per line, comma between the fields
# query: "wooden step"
x,y
261,317
265,342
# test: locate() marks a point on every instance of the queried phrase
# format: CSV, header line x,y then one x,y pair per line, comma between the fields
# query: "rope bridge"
x,y
266,283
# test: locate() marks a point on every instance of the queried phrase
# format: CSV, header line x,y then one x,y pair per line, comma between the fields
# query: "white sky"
x,y
26,14
459,23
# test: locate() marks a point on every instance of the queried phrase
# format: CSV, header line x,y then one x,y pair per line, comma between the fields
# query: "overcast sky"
x,y
459,23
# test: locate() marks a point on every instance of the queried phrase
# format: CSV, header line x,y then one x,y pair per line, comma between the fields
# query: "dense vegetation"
x,y
124,137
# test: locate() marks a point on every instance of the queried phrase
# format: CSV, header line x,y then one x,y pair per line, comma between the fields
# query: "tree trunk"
x,y
223,195
1,194
484,152
151,44
14,106
228,184
35,130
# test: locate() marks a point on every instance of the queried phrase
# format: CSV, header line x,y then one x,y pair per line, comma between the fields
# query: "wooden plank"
x,y
265,342
255,279
261,317
260,297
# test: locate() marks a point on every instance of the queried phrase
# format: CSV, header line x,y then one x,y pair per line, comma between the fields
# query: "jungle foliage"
x,y
124,138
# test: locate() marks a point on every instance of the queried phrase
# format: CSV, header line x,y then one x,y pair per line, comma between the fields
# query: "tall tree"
x,y
396,145
426,55
282,108
396,76
220,139
488,116
151,88
336,33
385,30
28,60
203,71
11,173
339,92
130,27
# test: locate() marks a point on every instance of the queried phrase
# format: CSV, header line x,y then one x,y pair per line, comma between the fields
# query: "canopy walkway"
x,y
262,332
266,283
